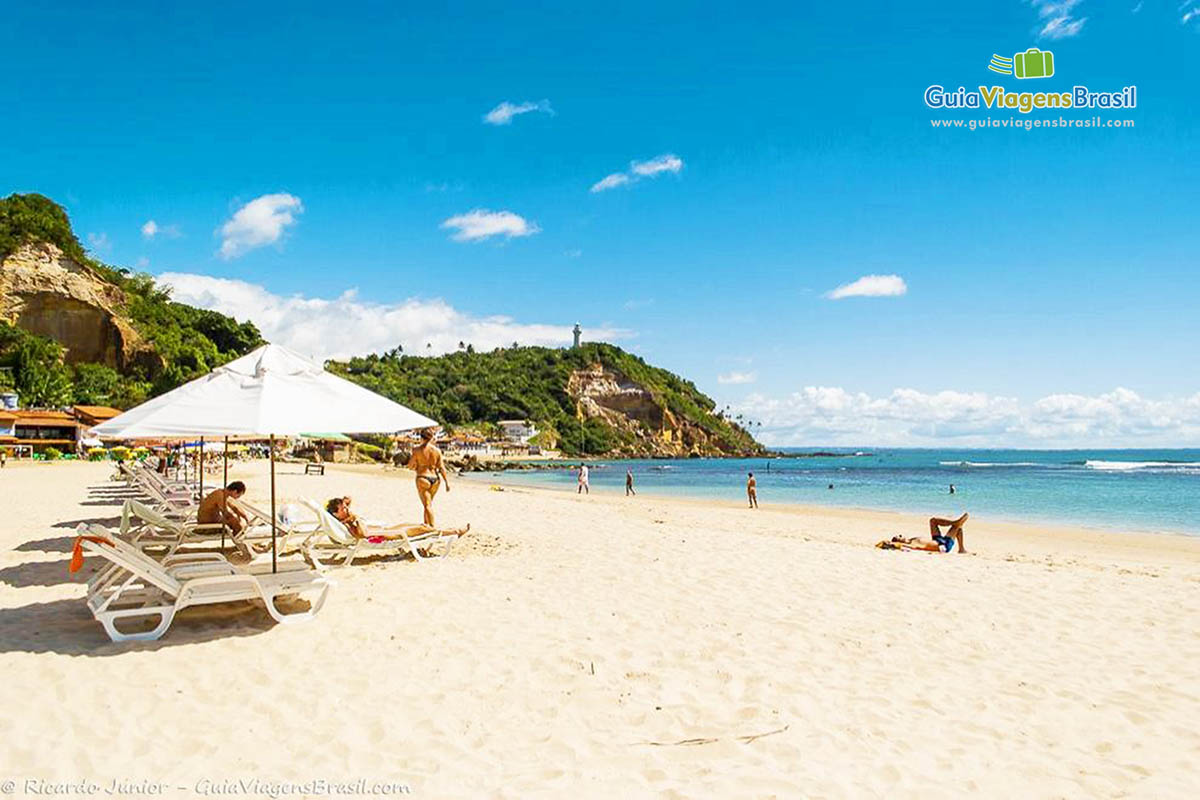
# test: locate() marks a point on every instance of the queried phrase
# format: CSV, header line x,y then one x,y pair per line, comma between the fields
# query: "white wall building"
x,y
518,431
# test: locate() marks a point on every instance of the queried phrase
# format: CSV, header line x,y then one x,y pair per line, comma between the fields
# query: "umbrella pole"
x,y
201,470
224,483
274,564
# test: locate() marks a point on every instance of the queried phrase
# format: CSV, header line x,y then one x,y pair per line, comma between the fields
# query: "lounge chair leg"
x,y
283,619
165,614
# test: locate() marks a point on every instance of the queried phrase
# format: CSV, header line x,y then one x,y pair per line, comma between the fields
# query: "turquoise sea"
x,y
1145,490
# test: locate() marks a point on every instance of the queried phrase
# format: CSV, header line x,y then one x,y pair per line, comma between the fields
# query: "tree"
x,y
42,379
96,384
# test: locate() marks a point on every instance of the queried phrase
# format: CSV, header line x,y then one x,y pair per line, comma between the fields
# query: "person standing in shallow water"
x,y
583,480
426,461
752,490
629,482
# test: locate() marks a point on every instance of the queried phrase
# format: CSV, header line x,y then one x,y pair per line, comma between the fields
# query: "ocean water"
x,y
1143,490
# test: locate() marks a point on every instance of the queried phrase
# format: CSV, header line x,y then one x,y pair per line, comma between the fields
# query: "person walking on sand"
x,y
629,482
426,461
583,480
752,490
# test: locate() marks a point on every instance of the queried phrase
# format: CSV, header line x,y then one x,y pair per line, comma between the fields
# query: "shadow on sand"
x,y
66,627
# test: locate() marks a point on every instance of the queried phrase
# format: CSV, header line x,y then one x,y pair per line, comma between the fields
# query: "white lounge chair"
x,y
339,544
156,529
290,536
140,587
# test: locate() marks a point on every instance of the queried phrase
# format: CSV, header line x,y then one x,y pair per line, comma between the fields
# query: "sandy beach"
x,y
601,646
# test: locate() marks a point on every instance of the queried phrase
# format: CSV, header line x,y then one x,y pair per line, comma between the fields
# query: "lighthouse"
x,y
578,331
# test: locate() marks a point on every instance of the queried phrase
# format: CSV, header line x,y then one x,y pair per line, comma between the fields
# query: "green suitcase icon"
x,y
1033,63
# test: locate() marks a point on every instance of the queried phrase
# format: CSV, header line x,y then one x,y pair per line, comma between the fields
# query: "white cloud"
x,y
482,224
871,286
346,326
152,229
1059,20
99,242
503,114
610,182
260,222
908,417
668,162
738,377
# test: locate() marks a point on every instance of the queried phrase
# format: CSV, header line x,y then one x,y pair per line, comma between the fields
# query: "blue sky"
x,y
769,155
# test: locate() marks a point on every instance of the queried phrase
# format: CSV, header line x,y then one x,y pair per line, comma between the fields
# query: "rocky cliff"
x,y
48,293
76,330
650,428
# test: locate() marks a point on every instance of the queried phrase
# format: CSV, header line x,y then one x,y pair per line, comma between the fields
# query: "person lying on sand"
x,y
939,543
954,530
339,509
213,509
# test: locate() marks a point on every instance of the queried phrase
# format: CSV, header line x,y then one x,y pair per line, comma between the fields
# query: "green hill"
x,y
174,342
594,399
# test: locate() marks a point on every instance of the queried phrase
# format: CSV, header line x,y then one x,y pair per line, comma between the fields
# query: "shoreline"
x,y
821,509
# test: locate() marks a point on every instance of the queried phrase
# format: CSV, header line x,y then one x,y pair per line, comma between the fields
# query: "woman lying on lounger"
x,y
938,543
339,509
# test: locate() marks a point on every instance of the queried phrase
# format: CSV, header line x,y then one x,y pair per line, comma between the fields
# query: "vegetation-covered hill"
x,y
594,399
187,341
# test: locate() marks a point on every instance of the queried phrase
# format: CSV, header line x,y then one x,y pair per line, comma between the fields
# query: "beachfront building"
x,y
517,431
8,425
40,429
31,430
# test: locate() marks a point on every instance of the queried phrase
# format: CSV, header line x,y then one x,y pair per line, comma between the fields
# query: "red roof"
x,y
44,417
97,412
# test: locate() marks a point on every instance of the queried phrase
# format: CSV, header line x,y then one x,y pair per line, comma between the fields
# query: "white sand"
x,y
566,635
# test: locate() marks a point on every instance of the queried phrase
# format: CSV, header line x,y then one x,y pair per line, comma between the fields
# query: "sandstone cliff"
x,y
48,293
651,428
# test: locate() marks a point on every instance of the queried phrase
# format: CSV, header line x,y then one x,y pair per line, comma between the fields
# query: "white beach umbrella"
x,y
270,392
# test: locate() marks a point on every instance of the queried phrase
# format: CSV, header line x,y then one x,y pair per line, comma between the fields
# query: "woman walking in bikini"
x,y
426,461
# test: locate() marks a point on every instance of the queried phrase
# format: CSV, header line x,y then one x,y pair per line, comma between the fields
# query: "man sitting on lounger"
x,y
213,509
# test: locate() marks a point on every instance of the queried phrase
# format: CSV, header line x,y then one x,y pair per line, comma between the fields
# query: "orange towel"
x,y
77,552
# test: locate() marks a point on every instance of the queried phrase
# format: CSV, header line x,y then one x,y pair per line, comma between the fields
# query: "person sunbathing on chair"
x,y
339,509
213,509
